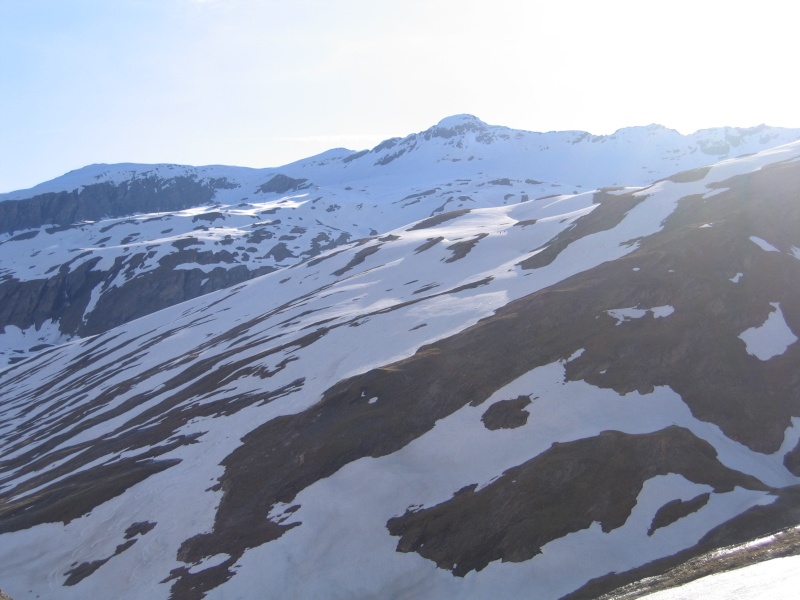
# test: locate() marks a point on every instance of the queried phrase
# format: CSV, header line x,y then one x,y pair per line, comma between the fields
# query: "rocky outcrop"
x,y
161,288
507,414
100,200
280,184
65,297
677,509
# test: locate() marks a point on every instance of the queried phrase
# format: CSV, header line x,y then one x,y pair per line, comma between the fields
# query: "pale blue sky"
x,y
264,82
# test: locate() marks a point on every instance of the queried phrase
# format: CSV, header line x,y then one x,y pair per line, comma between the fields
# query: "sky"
x,y
262,83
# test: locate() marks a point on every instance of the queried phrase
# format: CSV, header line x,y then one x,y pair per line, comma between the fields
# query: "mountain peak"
x,y
456,125
459,120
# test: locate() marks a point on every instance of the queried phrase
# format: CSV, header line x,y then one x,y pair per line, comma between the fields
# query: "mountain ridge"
x,y
205,228
446,128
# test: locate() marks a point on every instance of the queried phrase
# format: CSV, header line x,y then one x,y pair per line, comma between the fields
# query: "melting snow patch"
x,y
662,311
624,314
577,354
763,244
706,225
737,277
770,339
791,437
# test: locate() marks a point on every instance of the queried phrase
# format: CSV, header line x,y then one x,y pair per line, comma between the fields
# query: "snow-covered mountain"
x,y
561,366
106,244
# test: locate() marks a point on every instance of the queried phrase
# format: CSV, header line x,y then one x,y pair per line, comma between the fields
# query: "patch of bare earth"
x,y
439,219
563,490
507,414
462,248
675,510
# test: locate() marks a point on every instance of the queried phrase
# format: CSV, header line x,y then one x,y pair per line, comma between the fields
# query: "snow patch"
x,y
624,314
575,355
763,244
770,339
662,311
16,343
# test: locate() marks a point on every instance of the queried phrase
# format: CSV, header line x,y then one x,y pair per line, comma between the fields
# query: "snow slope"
x,y
396,415
769,580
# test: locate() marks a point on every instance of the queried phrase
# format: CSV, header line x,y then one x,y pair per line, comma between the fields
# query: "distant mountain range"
x,y
473,362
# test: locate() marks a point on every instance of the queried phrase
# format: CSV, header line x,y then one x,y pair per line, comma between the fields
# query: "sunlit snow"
x,y
775,579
